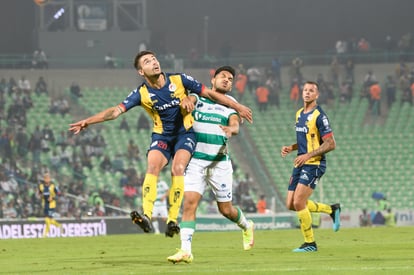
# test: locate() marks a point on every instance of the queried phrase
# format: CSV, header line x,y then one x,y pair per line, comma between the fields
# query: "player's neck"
x,y
308,107
156,81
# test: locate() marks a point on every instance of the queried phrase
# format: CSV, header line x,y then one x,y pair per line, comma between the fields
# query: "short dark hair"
x,y
138,57
313,83
225,68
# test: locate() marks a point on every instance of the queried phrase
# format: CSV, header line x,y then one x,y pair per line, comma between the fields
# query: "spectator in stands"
x,y
365,219
106,164
262,97
143,122
118,163
309,165
294,93
124,125
48,135
253,78
85,158
12,86
274,90
132,151
98,143
405,45
6,149
390,219
62,140
363,45
54,161
334,70
296,69
341,49
261,205
390,89
75,90
349,71
375,98
345,95
39,60
22,142
240,82
3,86
41,86
24,85
275,68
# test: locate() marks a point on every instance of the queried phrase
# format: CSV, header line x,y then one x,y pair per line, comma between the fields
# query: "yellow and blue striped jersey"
x,y
310,128
163,105
47,192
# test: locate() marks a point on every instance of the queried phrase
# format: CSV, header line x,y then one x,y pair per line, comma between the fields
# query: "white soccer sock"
x,y
156,226
186,235
242,222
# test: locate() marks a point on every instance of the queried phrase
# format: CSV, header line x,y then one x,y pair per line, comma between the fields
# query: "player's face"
x,y
310,93
149,66
222,82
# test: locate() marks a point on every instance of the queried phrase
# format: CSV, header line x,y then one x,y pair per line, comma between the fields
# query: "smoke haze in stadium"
x,y
247,25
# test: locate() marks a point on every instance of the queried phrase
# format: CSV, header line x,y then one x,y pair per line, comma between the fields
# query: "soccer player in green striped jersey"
x,y
210,165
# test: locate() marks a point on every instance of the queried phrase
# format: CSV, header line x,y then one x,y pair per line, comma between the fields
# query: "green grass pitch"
x,y
349,251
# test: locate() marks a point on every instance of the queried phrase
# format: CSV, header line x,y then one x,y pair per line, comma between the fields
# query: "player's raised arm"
x,y
108,114
244,111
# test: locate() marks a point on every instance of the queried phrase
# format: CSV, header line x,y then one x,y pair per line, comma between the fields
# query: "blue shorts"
x,y
308,175
49,212
168,145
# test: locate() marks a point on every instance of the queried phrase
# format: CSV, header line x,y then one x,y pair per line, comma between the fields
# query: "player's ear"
x,y
140,72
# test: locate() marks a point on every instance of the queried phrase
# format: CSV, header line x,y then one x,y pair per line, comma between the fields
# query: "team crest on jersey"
x,y
172,87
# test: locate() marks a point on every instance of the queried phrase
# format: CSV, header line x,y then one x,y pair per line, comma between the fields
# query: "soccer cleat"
x,y
248,237
336,216
306,247
172,228
142,221
181,256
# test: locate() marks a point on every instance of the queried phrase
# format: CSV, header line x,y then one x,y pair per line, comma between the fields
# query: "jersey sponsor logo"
x,y
173,103
302,129
188,77
206,118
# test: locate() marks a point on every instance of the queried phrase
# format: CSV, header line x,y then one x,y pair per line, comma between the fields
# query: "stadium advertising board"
x,y
22,229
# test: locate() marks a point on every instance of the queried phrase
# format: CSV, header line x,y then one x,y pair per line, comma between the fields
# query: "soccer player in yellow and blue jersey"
x,y
164,98
314,138
49,191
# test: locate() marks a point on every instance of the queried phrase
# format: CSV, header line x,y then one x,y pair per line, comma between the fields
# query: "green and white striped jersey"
x,y
211,140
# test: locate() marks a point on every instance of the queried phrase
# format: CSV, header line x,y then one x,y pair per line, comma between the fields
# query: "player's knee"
x,y
178,169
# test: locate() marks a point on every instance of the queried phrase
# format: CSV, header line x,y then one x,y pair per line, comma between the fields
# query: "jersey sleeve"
x,y
323,125
191,84
132,100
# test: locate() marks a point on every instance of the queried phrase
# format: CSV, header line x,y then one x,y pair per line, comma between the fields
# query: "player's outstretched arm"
x,y
244,111
108,114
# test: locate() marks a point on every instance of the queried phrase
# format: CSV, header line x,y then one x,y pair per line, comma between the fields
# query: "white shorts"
x,y
218,175
160,210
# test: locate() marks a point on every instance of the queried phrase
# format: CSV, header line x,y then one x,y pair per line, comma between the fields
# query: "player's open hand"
x,y
78,126
245,112
227,130
285,151
187,104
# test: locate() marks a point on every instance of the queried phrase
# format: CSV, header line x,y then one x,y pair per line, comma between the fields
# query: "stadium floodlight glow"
x,y
59,13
